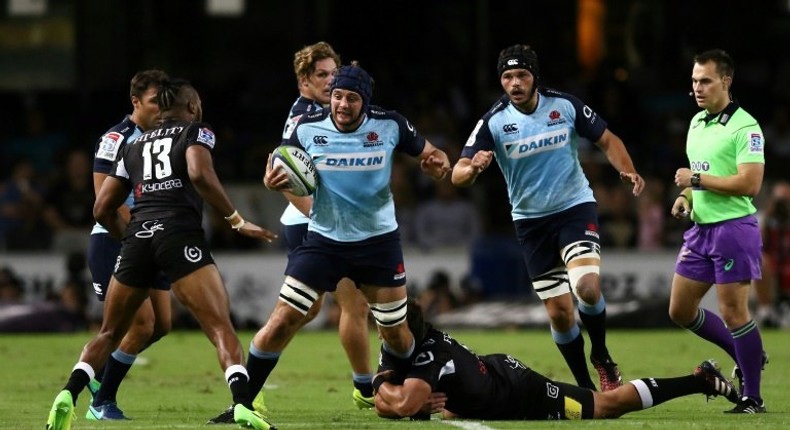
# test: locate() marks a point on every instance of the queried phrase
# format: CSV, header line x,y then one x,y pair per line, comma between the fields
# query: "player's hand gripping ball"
x,y
299,167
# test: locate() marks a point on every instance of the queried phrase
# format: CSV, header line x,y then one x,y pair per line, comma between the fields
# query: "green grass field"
x,y
181,386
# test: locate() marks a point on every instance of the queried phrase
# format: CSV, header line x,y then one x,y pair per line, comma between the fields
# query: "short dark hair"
x,y
142,80
725,66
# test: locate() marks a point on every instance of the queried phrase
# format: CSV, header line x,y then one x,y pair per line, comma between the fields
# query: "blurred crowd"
x,y
46,188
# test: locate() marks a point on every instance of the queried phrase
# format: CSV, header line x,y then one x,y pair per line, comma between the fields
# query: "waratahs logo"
x,y
555,118
372,140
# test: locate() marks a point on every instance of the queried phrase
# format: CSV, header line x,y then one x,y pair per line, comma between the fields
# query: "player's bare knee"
x,y
113,335
560,311
681,316
161,329
610,404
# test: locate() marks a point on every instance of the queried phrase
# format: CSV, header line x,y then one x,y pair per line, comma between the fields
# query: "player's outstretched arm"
x,y
434,162
466,170
201,172
619,158
400,401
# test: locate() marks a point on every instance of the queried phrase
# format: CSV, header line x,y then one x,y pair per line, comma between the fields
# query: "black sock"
x,y
663,389
115,371
240,390
77,382
596,329
577,362
366,388
259,370
100,373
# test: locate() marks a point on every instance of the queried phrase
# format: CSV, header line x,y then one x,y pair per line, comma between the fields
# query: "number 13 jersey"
x,y
154,167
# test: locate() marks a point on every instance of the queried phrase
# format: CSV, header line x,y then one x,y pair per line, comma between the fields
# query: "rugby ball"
x,y
299,167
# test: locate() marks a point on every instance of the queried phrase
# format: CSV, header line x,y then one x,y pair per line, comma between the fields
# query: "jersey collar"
x,y
724,116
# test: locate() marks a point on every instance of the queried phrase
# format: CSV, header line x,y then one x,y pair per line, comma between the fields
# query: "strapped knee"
x,y
298,295
583,249
576,273
389,314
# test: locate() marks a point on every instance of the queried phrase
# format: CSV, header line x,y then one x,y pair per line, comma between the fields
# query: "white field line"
x,y
467,425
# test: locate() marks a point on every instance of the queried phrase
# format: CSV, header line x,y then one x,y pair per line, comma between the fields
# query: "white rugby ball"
x,y
299,167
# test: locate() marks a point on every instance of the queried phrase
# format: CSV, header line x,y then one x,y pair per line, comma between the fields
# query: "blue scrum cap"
x,y
356,79
518,57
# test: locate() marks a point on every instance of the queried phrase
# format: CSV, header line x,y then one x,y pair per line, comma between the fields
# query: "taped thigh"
x,y
389,314
551,284
298,295
580,249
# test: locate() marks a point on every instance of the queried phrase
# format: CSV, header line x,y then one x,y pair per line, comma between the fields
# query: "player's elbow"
x,y
402,408
753,190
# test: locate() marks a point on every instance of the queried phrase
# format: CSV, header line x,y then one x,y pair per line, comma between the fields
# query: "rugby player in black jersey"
x,y
444,376
170,171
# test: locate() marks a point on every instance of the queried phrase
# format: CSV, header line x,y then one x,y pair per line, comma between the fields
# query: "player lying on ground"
x,y
444,376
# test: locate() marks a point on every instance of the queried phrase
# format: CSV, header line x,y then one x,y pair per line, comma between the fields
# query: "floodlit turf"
x,y
181,385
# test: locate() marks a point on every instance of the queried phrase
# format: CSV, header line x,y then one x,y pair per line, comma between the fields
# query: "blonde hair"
x,y
305,58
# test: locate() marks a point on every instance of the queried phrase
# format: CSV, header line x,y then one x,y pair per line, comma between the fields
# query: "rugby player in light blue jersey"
x,y
352,231
534,133
314,66
153,319
725,148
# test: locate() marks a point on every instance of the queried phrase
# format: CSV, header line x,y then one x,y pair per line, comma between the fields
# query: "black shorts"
x,y
320,262
175,247
562,401
103,253
536,397
552,400
541,239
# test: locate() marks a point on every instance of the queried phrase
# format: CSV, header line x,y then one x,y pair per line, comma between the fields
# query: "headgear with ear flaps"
x,y
519,57
356,79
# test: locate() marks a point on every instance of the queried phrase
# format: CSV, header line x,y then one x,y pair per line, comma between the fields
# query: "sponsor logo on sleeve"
x,y
109,145
206,136
756,143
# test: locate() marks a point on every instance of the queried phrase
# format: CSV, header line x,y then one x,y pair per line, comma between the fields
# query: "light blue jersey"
x,y
302,106
353,201
538,152
107,149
